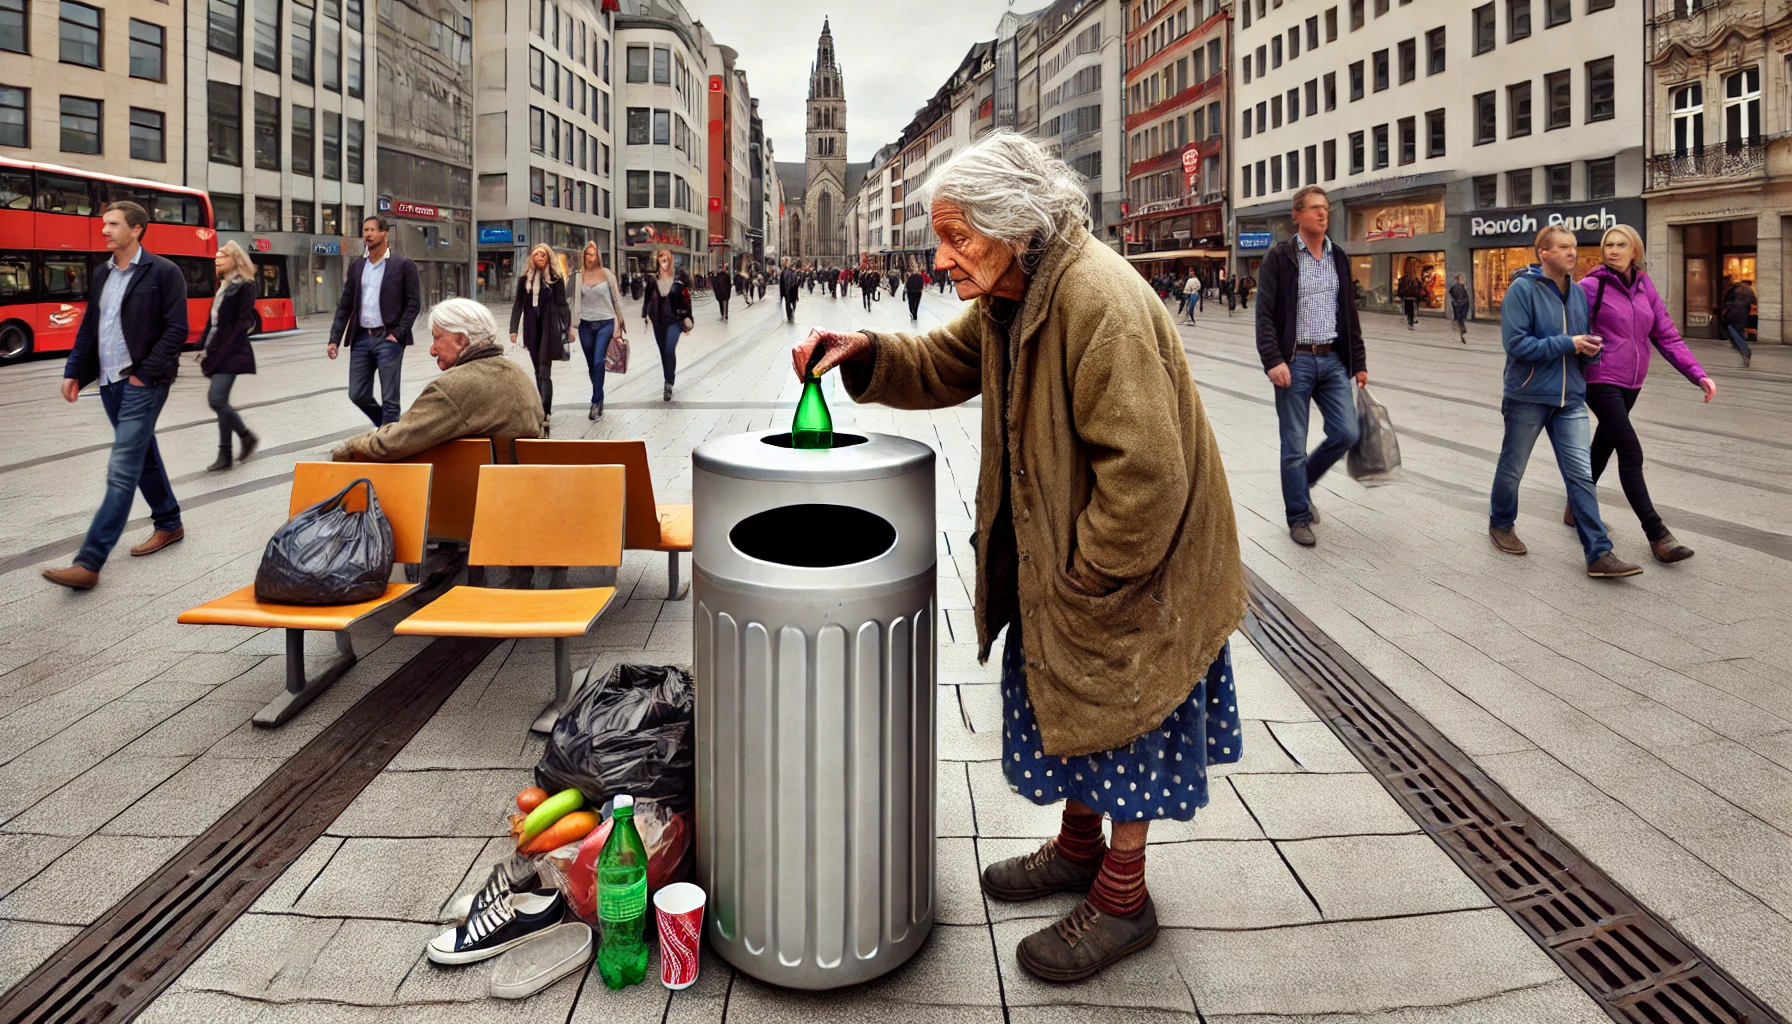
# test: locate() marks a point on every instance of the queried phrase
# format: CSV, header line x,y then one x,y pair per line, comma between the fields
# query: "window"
x,y
301,44
1331,90
1262,177
1689,118
1381,146
1518,110
80,125
1409,61
1275,52
1599,5
1435,52
1275,174
352,54
1356,81
1381,69
267,131
227,212
1742,108
1275,111
1356,152
1483,25
1312,97
1312,164
1313,32
146,50
1381,7
303,216
662,66
352,150
1486,119
147,135
662,190
15,119
1557,12
638,185
267,215
537,70
331,221
224,27
1602,178
224,123
1561,182
1487,192
80,25
1558,92
1356,15
331,59
303,144
638,119
1602,104
332,147
267,35
1518,20
1434,134
662,127
1331,159
1331,24
1518,187
1247,68
15,34
636,57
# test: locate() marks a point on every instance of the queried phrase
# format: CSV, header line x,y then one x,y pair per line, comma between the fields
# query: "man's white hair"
x,y
465,317
1010,189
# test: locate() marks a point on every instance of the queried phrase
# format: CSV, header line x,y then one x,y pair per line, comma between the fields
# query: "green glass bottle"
x,y
813,427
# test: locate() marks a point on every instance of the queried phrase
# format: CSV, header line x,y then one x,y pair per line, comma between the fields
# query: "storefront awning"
x,y
1179,254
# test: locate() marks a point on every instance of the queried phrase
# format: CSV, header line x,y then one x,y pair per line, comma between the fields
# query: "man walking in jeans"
x,y
1543,325
380,300
1311,343
129,340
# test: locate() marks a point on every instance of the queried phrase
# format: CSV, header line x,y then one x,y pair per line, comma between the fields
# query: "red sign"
x,y
715,83
715,204
262,245
416,210
1191,161
718,242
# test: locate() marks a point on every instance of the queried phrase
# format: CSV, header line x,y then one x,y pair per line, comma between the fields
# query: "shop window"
x,y
1602,102
1689,118
1427,268
1483,28
1486,119
1518,187
1558,92
1518,20
1407,218
1487,192
1602,178
1518,110
1742,108
1561,182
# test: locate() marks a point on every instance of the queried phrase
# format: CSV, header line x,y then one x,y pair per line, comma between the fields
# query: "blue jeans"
x,y
136,463
1323,381
1571,435
665,336
367,356
594,338
1739,338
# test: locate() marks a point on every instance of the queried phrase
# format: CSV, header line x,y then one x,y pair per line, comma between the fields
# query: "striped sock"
x,y
1079,837
1120,888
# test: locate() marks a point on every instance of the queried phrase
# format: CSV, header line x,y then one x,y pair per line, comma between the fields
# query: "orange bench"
x,y
553,516
650,526
454,484
403,491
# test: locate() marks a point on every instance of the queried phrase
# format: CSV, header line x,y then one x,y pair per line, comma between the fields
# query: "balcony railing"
x,y
1725,161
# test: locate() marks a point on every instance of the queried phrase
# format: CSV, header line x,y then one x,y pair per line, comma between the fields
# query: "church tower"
x,y
824,200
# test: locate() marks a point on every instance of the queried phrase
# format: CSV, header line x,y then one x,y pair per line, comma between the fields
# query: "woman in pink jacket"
x,y
1627,312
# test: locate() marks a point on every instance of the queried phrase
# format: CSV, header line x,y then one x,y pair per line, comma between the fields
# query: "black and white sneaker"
x,y
510,875
506,923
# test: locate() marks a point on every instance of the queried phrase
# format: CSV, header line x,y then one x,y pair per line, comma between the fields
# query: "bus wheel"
x,y
15,342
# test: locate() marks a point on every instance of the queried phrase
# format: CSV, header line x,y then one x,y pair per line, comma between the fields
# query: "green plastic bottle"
x,y
813,426
622,900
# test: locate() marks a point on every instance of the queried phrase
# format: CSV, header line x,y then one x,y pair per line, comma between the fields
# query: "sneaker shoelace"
x,y
1080,920
488,921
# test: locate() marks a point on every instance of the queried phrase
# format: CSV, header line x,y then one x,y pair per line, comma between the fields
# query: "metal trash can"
x,y
813,580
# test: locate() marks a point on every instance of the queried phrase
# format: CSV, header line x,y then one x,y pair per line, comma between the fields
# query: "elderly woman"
x,y
479,394
1105,540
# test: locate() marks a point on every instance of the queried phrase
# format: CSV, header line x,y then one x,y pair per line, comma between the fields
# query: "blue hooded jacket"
x,y
1538,330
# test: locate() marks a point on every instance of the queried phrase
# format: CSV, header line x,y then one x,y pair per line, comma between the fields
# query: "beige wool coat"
x,y
1122,561
482,395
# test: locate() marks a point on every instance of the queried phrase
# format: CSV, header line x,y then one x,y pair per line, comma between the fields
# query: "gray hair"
x,y
467,318
1010,189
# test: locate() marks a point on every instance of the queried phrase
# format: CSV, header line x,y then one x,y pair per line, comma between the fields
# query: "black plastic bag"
x,y
328,555
1377,451
630,733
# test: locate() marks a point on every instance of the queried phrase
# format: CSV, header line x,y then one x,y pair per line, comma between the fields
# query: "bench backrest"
x,y
548,515
642,515
455,484
403,490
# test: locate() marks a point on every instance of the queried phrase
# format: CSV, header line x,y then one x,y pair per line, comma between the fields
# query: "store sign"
x,y
715,83
1191,160
494,236
327,248
403,209
1588,222
1255,239
653,234
718,242
261,245
715,204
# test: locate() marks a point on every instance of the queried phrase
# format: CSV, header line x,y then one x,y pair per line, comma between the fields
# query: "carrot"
x,y
530,798
570,828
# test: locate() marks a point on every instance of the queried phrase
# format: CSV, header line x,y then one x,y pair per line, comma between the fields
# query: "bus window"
x,y
270,271
201,275
173,208
15,277
15,190
64,278
59,193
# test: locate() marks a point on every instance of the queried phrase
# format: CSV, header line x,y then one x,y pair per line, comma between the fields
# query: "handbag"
x,y
328,555
616,356
1377,451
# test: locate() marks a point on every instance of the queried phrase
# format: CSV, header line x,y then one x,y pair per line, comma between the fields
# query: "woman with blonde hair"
x,y
1627,312
667,309
224,351
596,302
541,308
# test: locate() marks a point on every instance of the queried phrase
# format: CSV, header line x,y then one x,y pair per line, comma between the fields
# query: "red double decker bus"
x,y
50,242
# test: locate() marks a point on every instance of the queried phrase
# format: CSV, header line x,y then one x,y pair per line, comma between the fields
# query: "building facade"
x,y
664,162
1445,131
1080,75
1719,174
818,190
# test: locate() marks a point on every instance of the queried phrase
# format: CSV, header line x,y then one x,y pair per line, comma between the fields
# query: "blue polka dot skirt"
x,y
1162,774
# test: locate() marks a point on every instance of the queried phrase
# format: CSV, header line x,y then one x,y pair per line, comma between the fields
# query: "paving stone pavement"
x,y
1648,721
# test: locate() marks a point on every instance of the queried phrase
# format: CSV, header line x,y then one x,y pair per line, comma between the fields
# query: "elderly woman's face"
x,y
975,261
445,347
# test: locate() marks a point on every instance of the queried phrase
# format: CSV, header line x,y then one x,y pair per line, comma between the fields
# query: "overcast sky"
x,y
893,57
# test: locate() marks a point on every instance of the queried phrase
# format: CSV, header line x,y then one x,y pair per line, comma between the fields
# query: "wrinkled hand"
x,y
1709,386
837,347
1587,344
71,389
1362,378
1279,375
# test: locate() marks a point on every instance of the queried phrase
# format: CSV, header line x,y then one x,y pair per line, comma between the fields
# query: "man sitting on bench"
x,y
479,394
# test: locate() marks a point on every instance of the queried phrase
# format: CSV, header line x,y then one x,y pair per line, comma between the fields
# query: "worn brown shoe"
x,y
1086,942
159,540
1610,566
1036,874
1506,539
1667,549
1303,534
75,577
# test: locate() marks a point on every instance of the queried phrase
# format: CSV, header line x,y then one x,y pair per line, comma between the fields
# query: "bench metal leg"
x,y
544,722
301,691
671,575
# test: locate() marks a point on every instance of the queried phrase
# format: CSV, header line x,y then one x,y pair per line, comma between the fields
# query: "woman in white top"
x,y
594,304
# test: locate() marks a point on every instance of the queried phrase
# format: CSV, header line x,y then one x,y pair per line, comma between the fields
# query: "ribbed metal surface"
x,y
1632,962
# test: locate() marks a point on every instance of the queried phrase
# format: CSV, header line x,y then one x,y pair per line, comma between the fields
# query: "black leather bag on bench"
x,y
328,555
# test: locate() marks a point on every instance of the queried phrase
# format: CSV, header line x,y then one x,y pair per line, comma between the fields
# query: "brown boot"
x,y
75,577
1036,874
1506,539
1667,549
1086,942
159,540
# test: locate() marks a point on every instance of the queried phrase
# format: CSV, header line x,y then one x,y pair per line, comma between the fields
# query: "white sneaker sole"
x,y
443,956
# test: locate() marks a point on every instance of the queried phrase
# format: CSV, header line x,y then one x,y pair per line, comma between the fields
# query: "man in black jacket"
x,y
788,284
1311,344
380,300
129,340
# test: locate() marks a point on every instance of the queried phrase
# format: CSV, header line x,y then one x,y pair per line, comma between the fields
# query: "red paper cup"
x,y
679,908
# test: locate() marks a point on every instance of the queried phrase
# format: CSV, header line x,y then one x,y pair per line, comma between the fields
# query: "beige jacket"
x,y
482,395
1123,542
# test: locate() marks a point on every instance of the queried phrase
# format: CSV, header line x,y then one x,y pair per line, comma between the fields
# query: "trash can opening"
x,y
840,440
813,536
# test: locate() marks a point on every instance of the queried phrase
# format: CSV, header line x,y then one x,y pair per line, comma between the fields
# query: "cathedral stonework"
x,y
815,225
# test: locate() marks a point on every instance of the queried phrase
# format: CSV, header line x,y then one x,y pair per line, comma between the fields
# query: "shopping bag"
x,y
328,555
616,356
1377,451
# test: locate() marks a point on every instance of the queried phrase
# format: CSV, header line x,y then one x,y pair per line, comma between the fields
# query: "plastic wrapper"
x,y
630,733
1377,451
328,554
573,868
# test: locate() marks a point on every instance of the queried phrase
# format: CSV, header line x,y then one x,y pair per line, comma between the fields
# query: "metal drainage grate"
x,y
114,968
1629,960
